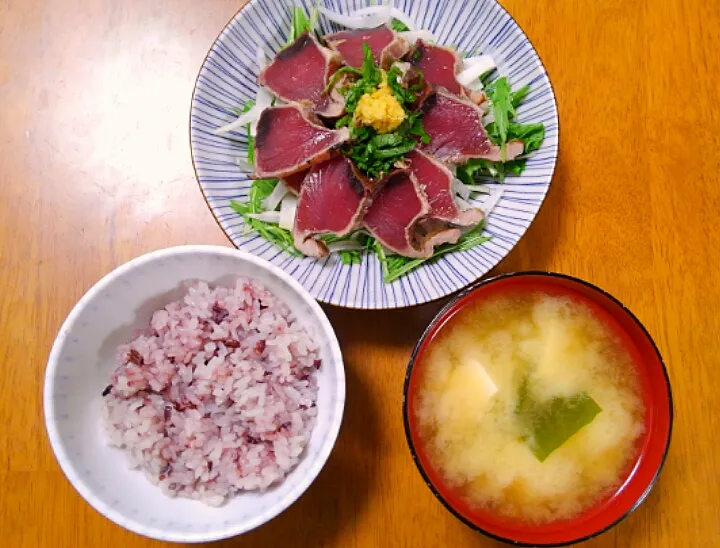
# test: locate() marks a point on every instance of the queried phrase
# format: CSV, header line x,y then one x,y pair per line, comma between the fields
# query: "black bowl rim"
x,y
441,316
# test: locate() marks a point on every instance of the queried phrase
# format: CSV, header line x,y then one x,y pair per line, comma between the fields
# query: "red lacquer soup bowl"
x,y
653,444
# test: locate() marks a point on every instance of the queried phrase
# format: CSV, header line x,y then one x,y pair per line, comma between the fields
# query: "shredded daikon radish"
x,y
413,36
483,60
379,16
244,165
266,216
275,197
460,189
263,100
248,117
475,85
371,10
260,58
288,210
395,13
485,189
464,205
474,67
347,245
495,194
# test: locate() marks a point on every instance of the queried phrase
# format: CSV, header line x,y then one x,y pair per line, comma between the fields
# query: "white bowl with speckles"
x,y
79,369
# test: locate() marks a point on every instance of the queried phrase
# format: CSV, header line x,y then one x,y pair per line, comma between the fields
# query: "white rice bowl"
x,y
115,448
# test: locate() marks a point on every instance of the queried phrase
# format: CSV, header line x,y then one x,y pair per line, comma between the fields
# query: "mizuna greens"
x,y
503,104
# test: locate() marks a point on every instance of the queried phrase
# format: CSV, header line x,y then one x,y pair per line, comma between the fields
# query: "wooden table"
x,y
95,170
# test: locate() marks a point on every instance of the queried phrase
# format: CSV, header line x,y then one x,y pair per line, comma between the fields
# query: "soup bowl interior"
x,y
654,389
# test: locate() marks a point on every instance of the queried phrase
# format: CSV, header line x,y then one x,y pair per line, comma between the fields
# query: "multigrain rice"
x,y
218,395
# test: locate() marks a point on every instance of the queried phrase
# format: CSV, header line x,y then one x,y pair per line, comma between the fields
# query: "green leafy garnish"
x,y
251,149
485,77
405,96
281,237
301,23
502,86
476,170
373,153
504,101
250,139
551,423
396,266
370,71
417,129
247,106
336,76
398,26
500,131
349,256
518,96
531,135
501,106
370,79
260,190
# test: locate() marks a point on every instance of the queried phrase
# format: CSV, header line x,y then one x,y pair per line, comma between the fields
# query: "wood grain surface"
x,y
95,170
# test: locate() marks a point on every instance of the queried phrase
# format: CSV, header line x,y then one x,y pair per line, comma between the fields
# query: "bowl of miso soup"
x,y
538,409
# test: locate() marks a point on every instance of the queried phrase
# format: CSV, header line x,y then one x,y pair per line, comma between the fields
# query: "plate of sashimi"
x,y
385,155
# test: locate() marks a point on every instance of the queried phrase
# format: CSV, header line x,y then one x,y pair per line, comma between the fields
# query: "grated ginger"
x,y
380,110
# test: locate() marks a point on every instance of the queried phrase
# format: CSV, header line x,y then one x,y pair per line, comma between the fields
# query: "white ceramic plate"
x,y
227,79
79,368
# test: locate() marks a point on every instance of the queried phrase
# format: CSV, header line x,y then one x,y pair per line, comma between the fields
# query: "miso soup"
x,y
529,406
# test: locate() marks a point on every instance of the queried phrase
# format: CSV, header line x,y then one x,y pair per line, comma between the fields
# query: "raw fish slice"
x,y
457,133
395,213
440,67
436,180
333,199
291,139
301,72
294,181
384,43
